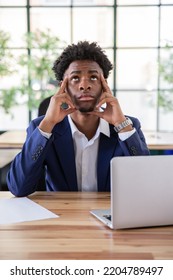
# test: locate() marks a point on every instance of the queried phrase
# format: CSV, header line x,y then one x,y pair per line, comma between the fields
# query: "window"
x,y
133,33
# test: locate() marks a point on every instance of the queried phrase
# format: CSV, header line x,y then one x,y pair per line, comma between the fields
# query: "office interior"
x,y
136,35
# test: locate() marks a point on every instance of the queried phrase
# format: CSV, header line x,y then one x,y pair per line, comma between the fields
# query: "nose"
x,y
85,85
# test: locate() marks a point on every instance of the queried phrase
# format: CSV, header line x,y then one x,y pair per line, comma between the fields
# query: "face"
x,y
84,84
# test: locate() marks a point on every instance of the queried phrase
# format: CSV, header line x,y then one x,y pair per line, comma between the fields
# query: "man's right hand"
x,y
55,113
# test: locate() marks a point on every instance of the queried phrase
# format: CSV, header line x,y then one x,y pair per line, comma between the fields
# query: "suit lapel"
x,y
105,153
63,143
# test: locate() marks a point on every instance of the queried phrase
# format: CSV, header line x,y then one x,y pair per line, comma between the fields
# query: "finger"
x,y
67,100
61,90
106,100
105,85
62,98
63,86
69,111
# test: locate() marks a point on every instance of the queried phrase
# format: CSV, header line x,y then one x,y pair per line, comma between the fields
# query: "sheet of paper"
x,y
22,209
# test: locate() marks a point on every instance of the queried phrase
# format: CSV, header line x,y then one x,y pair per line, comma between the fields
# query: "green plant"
x,y
35,68
165,97
7,96
5,55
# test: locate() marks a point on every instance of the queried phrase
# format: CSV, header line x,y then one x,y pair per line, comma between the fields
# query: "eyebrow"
x,y
79,71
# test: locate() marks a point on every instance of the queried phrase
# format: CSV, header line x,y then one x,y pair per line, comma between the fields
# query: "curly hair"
x,y
83,50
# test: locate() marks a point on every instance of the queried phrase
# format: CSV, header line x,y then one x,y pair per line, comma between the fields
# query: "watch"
x,y
122,125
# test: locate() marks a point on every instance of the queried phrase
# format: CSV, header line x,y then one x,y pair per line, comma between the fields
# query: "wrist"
x,y
46,126
119,121
125,125
126,129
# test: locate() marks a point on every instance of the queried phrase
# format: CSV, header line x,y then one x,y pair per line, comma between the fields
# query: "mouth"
x,y
85,97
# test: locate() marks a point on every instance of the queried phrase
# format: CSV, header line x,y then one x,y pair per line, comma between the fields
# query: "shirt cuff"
x,y
45,134
125,135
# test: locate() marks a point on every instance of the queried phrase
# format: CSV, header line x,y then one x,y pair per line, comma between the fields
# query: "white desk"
x,y
7,155
159,140
12,139
155,140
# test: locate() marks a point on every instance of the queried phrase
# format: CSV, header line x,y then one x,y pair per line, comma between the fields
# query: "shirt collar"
x,y
102,128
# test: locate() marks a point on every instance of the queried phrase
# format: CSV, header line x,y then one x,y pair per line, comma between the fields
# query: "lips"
x,y
85,97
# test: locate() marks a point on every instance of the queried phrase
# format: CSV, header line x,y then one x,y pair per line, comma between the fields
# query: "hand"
x,y
55,113
112,113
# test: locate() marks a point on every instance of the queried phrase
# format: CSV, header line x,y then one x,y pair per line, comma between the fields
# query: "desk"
x,y
76,234
155,140
7,155
12,139
159,140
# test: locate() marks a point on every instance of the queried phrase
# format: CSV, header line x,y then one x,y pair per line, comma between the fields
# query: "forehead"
x,y
83,66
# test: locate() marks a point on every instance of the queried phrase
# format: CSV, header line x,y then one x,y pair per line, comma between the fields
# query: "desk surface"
x,y
155,140
159,140
7,155
12,139
76,234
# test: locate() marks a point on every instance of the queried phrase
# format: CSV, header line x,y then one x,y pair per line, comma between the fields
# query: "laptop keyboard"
x,y
107,217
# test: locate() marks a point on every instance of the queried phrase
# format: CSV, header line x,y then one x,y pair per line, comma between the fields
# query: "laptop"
x,y
141,192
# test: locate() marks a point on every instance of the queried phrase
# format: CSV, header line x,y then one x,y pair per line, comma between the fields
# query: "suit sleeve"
x,y
26,168
135,145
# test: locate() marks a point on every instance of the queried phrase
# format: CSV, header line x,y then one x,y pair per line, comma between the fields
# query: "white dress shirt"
x,y
86,153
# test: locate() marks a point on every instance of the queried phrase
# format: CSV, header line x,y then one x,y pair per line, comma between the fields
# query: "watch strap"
x,y
122,125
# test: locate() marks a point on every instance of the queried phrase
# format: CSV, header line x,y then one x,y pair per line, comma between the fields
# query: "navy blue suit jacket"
x,y
57,156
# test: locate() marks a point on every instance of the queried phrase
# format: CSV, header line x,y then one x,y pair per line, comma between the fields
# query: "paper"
x,y
22,209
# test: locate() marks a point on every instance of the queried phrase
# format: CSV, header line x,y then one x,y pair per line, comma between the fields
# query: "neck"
x,y
87,124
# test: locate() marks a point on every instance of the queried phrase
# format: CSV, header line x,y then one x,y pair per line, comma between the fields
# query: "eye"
x,y
75,78
94,78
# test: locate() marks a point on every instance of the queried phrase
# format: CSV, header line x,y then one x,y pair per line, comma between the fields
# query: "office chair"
x,y
43,106
45,103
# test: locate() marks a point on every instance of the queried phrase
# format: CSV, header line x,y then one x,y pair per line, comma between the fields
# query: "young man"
x,y
76,143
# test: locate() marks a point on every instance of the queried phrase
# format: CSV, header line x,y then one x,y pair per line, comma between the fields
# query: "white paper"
x,y
22,209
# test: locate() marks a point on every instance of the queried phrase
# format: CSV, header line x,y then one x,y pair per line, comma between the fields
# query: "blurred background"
x,y
137,36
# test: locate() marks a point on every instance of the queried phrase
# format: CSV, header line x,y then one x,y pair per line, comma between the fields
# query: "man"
x,y
75,143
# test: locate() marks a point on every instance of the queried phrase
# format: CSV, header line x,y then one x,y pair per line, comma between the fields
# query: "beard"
x,y
86,106
86,110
